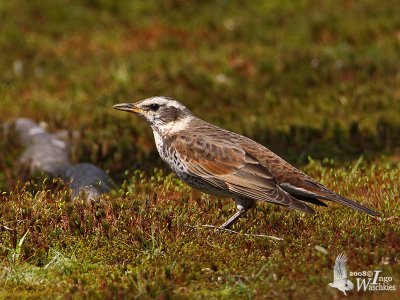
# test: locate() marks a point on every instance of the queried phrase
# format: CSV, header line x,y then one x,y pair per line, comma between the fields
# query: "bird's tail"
x,y
326,194
342,200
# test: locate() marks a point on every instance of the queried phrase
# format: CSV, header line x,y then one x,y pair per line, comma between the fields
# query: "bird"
x,y
340,279
226,164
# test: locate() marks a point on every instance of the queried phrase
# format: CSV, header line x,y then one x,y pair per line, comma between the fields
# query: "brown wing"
x,y
231,168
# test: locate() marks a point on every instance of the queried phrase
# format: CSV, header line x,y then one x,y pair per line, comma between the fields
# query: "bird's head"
x,y
162,113
349,285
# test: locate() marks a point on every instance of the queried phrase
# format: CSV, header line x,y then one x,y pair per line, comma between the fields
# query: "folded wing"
x,y
226,166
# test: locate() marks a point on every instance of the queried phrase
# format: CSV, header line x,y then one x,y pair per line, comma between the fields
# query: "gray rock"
x,y
87,178
49,153
48,156
45,152
29,132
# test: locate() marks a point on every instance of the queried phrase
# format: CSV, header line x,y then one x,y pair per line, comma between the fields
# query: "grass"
x,y
316,82
135,242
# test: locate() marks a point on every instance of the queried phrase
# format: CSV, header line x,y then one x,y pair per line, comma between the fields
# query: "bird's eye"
x,y
154,107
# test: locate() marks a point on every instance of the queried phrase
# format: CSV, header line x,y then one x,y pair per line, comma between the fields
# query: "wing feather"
x,y
226,166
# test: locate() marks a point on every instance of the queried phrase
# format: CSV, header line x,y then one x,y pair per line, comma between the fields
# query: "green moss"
x,y
134,243
315,82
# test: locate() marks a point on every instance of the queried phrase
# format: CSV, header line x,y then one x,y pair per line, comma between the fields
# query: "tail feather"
x,y
326,194
311,191
310,200
347,202
299,205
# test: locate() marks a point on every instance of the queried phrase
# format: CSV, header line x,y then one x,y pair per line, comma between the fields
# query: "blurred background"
x,y
317,79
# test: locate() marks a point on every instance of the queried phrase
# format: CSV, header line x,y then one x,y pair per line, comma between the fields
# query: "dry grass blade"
x,y
235,232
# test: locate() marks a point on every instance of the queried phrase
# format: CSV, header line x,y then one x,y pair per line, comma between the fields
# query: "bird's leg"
x,y
241,211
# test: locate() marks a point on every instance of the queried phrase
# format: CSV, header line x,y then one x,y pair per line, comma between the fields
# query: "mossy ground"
x,y
305,78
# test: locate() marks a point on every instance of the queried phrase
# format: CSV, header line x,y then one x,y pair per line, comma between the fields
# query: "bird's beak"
x,y
128,107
